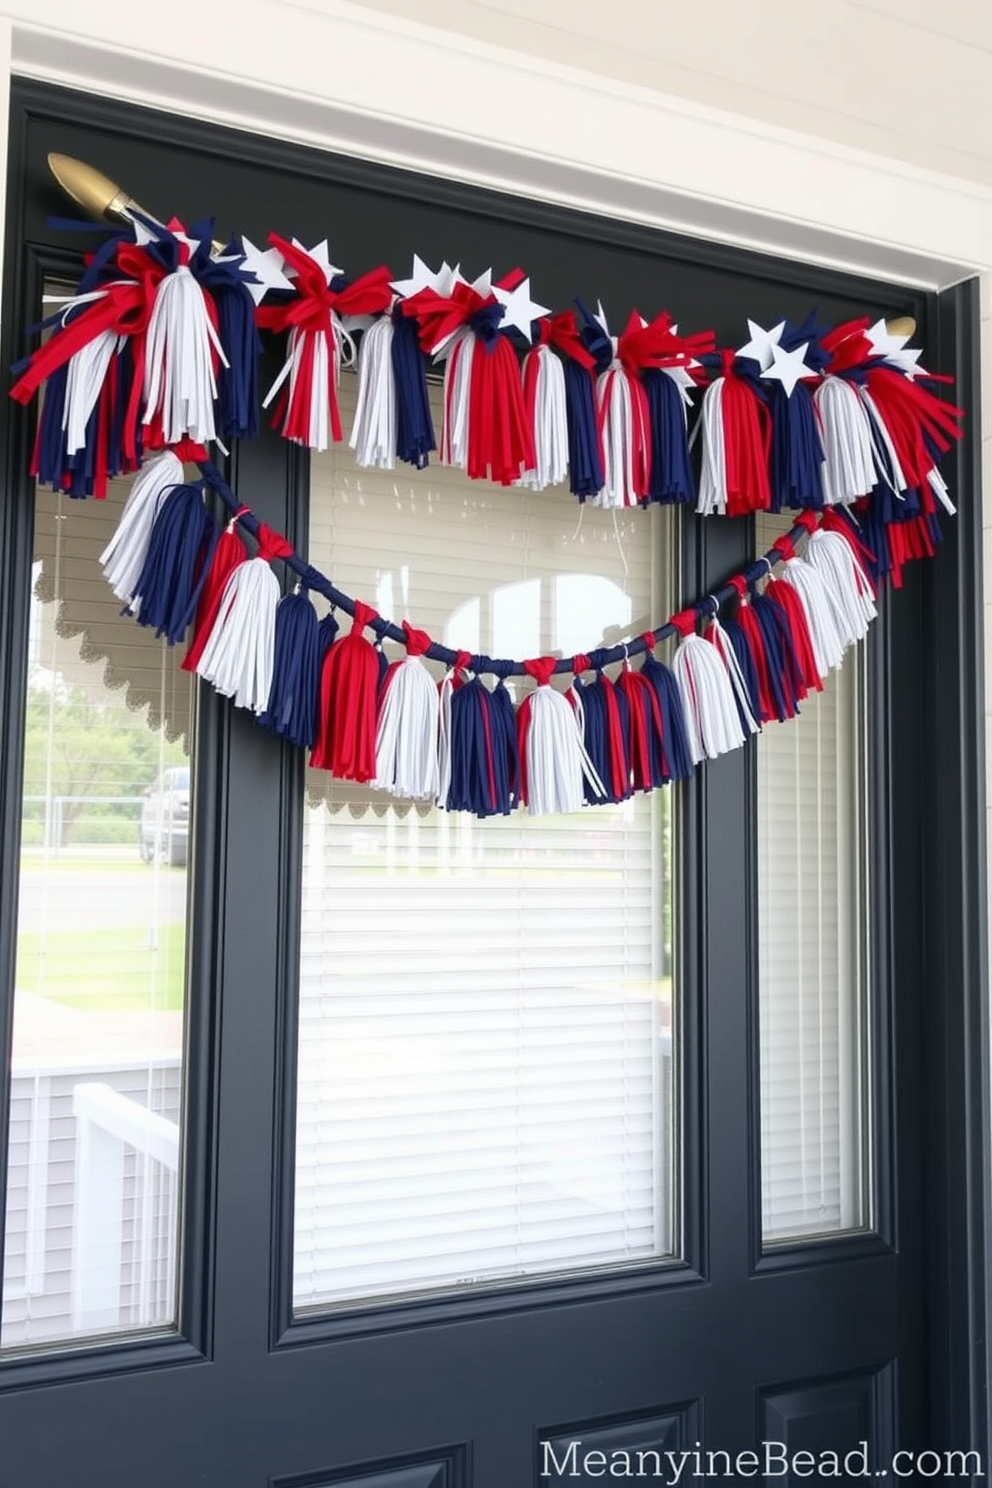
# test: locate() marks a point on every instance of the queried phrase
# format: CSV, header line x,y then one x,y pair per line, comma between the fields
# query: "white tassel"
x,y
179,375
85,376
886,457
717,636
444,735
713,723
818,607
406,741
550,421
457,391
849,460
619,434
239,653
373,434
124,556
557,762
713,470
846,583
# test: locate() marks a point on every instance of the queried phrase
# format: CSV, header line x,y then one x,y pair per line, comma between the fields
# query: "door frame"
x,y
953,1064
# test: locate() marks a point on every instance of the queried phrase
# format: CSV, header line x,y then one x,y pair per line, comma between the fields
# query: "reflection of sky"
x,y
508,621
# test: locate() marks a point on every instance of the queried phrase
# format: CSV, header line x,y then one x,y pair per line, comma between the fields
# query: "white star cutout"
x,y
520,310
762,344
683,380
484,284
895,350
421,277
788,367
268,267
319,255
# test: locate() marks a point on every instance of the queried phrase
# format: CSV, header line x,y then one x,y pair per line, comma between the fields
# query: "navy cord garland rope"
x,y
311,578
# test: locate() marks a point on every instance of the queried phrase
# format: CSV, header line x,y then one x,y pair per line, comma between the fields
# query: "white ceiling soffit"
x,y
429,101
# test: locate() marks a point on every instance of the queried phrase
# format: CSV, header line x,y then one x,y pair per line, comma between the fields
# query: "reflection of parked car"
x,y
164,828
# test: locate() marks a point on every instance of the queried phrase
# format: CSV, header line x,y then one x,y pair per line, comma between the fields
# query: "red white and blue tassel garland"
x,y
239,654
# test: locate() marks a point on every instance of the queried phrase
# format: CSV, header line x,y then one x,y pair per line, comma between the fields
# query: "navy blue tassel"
x,y
585,457
414,426
741,647
607,752
326,633
797,449
292,705
237,384
675,732
180,547
483,750
672,479
786,685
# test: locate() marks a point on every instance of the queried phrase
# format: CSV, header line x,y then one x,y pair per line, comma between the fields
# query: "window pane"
x,y
92,1197
812,897
485,1052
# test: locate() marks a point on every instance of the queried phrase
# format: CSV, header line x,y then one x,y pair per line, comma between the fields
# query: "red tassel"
x,y
229,553
500,439
788,600
346,724
647,754
747,443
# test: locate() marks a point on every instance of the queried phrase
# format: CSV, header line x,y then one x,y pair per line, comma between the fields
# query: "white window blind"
x,y
813,897
485,1052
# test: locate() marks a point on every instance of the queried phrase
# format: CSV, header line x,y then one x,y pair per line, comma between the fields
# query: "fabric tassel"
x,y
846,582
180,546
786,682
406,745
500,439
625,431
585,451
374,432
123,559
291,709
458,365
744,686
228,555
603,713
305,392
676,750
672,479
414,424
346,720
735,432
455,677
713,724
825,636
239,654
845,430
645,725
797,449
181,344
547,413
789,602
237,379
553,759
482,733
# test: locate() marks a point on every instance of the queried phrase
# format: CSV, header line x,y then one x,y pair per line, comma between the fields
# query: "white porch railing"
x,y
108,1123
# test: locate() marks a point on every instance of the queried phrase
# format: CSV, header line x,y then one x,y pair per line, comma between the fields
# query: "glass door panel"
x,y
813,938
93,1185
486,1054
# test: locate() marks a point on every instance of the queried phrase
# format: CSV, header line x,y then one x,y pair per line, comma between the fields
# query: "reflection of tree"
x,y
78,746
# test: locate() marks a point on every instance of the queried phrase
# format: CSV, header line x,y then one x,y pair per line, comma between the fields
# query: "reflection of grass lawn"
x,y
104,969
